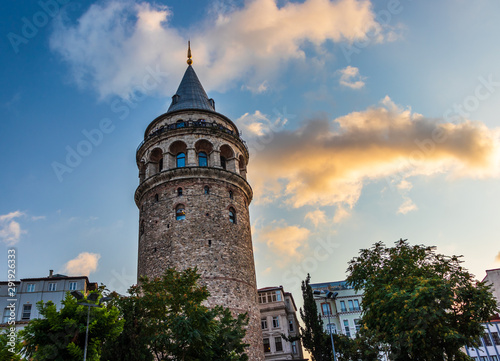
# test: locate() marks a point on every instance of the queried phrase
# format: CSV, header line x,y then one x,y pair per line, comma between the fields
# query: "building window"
x,y
180,213
278,344
331,328
357,324
325,308
223,162
202,159
231,194
342,306
52,286
30,287
487,340
493,358
181,160
276,322
232,215
180,124
294,347
72,286
356,306
26,312
495,337
267,345
179,192
351,305
346,328
206,190
290,325
160,165
157,197
6,315
263,323
484,358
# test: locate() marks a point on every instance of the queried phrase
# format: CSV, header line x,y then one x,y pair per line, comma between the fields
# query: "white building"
x,y
279,316
29,291
342,314
490,342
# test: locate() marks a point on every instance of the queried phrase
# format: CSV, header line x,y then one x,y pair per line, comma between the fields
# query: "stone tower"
x,y
193,199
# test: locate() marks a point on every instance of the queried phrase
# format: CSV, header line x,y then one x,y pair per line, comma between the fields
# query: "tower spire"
x,y
189,61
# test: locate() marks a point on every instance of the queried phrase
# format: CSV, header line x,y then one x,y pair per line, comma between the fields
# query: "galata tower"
x,y
193,200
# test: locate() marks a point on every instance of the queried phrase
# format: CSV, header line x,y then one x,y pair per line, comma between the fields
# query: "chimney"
x,y
51,273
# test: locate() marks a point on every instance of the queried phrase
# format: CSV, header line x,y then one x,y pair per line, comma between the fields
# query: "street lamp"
x,y
329,295
92,297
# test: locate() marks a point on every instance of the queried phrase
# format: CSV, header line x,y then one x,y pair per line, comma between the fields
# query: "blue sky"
x,y
367,121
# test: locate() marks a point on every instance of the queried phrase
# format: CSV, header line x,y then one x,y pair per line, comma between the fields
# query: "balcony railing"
x,y
192,124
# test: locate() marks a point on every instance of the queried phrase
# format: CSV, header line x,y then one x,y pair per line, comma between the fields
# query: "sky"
x,y
366,121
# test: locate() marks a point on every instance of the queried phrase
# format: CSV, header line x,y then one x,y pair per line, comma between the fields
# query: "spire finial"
x,y
189,61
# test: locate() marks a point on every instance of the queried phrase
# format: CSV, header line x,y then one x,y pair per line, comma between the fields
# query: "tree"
x,y
422,305
166,315
10,342
314,338
60,335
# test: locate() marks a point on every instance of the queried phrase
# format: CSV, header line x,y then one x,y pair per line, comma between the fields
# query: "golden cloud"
x,y
84,264
327,163
284,240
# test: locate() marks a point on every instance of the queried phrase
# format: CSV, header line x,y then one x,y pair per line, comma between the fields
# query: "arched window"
x,y
180,124
206,190
223,162
232,215
179,191
181,160
202,159
180,212
160,165
231,194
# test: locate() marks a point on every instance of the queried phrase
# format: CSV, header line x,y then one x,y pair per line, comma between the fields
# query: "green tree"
x,y
7,344
167,316
314,338
60,335
422,305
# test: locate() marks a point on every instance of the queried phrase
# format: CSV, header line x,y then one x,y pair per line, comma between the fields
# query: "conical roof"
x,y
190,94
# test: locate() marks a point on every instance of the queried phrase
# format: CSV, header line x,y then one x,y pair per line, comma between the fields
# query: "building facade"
x,y
342,314
29,291
193,200
278,316
490,342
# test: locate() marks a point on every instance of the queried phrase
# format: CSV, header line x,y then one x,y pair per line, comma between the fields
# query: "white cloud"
x,y
317,217
350,77
341,214
112,46
407,206
10,230
84,264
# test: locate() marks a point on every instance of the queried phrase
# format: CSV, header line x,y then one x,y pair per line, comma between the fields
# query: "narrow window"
x,y
179,191
160,165
231,194
267,345
30,288
232,215
351,306
278,295
223,162
202,159
290,325
357,324
180,213
157,197
6,315
294,347
487,340
325,308
346,328
26,312
263,323
356,305
181,160
332,328
52,286
278,344
209,243
276,322
206,190
342,306
72,286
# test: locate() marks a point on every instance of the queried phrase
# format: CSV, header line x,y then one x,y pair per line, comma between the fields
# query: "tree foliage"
x,y
59,335
422,305
9,344
166,316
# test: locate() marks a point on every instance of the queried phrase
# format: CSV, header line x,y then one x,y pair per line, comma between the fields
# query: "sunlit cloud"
x,y
328,162
407,206
84,264
341,214
112,45
350,77
10,230
317,217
